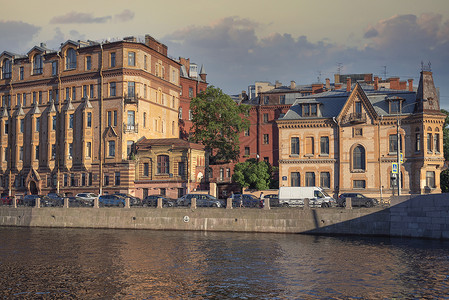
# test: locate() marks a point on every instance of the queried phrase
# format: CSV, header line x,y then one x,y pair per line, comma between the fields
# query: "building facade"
x,y
347,140
70,118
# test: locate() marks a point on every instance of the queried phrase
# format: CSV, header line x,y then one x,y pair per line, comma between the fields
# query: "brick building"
x,y
70,118
347,140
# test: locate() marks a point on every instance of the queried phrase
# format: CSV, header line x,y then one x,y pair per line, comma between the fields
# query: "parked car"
x,y
247,200
6,200
295,196
357,200
52,199
88,198
29,200
78,202
273,198
132,199
202,200
111,200
151,200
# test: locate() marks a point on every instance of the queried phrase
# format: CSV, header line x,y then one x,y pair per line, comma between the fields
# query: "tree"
x,y
253,174
444,177
217,123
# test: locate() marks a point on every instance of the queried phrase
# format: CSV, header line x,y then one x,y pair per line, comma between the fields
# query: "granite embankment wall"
x,y
423,216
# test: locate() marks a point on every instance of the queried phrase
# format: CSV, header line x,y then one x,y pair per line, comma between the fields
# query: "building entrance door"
x,y
33,188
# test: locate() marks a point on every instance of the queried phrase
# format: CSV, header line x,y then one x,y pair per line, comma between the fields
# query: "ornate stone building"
x,y
347,140
70,118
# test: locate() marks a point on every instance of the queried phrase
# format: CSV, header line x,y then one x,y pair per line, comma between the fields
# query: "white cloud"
x,y
125,16
15,36
78,18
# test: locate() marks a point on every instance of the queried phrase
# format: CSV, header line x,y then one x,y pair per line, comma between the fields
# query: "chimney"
x,y
328,84
394,83
376,83
277,84
410,85
292,85
348,84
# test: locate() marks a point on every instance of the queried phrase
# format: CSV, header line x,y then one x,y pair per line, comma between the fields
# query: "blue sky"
x,y
240,42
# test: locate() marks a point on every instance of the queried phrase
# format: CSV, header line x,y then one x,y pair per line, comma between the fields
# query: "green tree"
x,y
444,177
253,174
217,123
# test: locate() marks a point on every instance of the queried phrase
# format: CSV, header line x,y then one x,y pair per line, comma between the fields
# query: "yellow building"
x,y
70,118
346,140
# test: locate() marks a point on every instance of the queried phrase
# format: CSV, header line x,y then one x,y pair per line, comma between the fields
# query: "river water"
x,y
38,263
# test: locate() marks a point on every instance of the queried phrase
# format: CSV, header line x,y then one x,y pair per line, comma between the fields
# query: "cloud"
x,y
60,38
15,36
79,18
124,16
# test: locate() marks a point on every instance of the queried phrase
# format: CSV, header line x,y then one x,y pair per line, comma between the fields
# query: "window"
x,y
131,59
117,178
129,147
393,143
266,99
429,142
106,179
53,123
71,117
146,169
53,151
313,109
358,107
173,102
115,118
66,179
111,147
112,89
67,93
84,91
357,132
246,132
163,164
436,142
247,151
88,149
7,68
309,146
91,91
162,191
145,91
21,73
430,179
190,115
112,59
88,62
89,120
180,113
190,92
72,180
70,150
358,158
38,124
358,184
131,119
181,168
37,64
145,62
294,146
73,93
90,179
417,140
282,99
40,97
295,179
36,152
50,96
70,59
109,118
54,68
221,174
21,153
144,119
83,179
325,180
324,145
310,179
6,127
228,172
265,118
266,139
22,125
131,86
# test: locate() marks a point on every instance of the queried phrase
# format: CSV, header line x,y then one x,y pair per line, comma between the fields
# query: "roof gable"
x,y
357,94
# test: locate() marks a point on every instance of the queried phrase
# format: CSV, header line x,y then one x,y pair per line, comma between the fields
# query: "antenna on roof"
x,y
319,77
426,68
385,72
339,68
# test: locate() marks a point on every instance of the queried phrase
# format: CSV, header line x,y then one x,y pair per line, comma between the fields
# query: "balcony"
x,y
130,128
131,99
357,118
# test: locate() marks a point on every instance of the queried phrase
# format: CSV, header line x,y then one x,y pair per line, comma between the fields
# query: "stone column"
x,y
127,202
348,203
159,202
266,203
229,203
193,203
306,203
14,202
38,203
96,203
66,202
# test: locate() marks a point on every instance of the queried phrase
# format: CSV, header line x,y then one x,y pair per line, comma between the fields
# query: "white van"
x,y
295,195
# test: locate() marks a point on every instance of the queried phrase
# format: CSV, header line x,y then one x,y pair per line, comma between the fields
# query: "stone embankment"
x,y
421,216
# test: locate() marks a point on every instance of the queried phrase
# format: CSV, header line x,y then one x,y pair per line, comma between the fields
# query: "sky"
x,y
240,42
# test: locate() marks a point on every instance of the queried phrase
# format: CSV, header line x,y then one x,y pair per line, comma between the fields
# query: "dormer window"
x,y
37,64
395,105
70,60
6,68
310,110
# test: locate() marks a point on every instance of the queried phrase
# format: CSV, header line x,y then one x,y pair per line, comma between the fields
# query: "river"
x,y
42,263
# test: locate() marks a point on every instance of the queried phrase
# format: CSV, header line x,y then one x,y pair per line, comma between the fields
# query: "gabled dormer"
x,y
6,61
310,109
36,58
69,53
357,109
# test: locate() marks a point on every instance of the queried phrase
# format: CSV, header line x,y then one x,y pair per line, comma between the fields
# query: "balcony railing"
x,y
130,128
131,98
357,118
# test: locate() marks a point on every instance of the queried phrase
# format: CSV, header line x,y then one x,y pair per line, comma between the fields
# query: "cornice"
x,y
308,161
316,123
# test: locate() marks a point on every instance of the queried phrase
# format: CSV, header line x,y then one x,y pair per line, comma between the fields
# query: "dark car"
x,y
357,200
151,200
273,198
112,200
52,199
6,200
29,200
202,200
132,199
246,200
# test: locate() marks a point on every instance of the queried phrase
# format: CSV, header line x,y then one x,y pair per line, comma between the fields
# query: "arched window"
x,y
37,64
358,158
163,164
417,140
70,59
6,68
